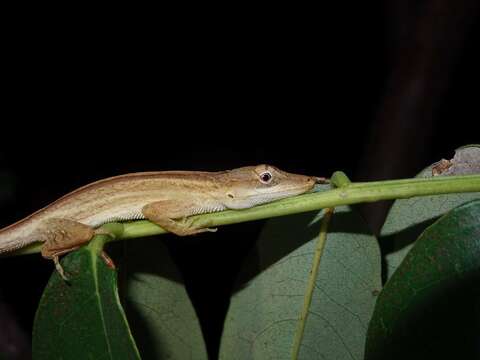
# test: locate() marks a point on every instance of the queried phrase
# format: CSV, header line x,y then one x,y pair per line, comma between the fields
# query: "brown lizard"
x,y
161,197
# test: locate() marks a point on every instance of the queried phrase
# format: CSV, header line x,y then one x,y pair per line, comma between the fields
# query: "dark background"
x,y
378,91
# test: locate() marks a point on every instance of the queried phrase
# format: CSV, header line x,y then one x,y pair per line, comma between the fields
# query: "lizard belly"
x,y
118,214
134,212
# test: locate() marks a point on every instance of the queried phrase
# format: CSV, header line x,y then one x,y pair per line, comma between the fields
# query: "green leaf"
x,y
430,308
407,218
265,312
159,310
82,319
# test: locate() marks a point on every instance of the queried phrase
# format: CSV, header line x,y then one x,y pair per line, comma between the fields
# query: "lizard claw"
x,y
59,268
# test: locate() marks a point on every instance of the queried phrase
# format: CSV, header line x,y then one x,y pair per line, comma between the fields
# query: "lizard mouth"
x,y
261,198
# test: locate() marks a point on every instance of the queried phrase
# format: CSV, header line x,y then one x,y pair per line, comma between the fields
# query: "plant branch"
x,y
348,194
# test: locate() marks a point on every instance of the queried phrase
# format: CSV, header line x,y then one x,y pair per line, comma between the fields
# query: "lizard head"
x,y
253,185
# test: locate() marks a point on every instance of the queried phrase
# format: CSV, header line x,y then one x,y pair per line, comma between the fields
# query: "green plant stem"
x,y
302,321
352,193
339,179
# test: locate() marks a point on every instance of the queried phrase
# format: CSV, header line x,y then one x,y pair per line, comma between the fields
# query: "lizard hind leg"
x,y
61,236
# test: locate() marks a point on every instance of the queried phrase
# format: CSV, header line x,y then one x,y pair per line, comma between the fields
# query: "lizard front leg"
x,y
61,236
167,212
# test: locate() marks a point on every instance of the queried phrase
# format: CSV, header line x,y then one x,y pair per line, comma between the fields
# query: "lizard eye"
x,y
265,177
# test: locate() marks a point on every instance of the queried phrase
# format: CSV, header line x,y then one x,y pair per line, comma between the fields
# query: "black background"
x,y
370,90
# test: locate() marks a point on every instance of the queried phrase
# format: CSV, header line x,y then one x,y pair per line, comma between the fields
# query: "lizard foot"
x,y
108,260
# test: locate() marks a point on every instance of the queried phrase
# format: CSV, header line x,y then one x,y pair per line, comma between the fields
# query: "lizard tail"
x,y
9,243
15,236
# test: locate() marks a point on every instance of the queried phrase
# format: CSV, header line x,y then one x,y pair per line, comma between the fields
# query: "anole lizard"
x,y
166,198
